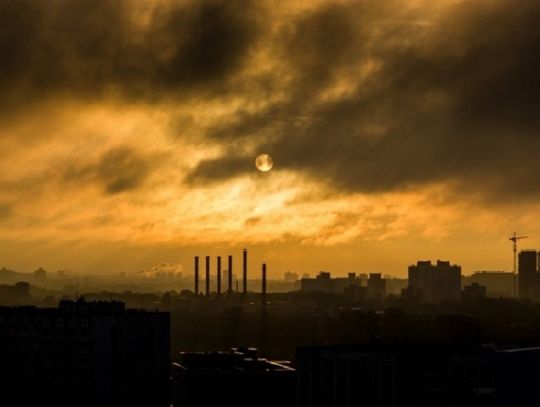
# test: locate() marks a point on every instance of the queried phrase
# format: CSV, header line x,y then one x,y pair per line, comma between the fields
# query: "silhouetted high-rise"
x,y
376,286
527,269
435,283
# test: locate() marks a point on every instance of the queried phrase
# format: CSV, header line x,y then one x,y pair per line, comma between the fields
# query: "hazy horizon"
x,y
299,260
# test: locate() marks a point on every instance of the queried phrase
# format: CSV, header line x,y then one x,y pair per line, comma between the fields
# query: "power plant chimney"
x,y
207,276
196,275
219,275
230,276
263,290
244,275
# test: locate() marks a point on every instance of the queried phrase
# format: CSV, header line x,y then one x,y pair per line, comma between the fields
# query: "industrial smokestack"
x,y
196,275
207,276
230,276
244,275
219,275
263,289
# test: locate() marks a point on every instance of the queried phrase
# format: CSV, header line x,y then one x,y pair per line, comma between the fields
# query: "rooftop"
x,y
235,360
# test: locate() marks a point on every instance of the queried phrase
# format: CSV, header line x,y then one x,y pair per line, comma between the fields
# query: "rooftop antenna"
x,y
514,238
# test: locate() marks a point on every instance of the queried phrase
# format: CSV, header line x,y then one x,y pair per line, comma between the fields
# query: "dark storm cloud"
x,y
88,47
449,95
218,170
451,99
121,170
117,170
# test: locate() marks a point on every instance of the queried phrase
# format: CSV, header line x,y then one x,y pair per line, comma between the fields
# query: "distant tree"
x,y
186,294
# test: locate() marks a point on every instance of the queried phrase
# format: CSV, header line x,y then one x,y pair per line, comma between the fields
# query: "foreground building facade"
x,y
84,354
408,374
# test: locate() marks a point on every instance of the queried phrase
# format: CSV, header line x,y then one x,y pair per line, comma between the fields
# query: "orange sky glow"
x,y
105,171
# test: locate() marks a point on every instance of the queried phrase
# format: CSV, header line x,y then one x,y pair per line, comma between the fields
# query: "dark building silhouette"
x,y
84,354
494,378
376,286
416,374
370,376
395,285
473,291
40,275
497,283
232,378
339,284
324,283
356,293
434,282
527,271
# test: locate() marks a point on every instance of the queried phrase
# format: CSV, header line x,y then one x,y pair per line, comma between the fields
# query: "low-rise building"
x,y
237,377
353,285
416,374
497,283
473,291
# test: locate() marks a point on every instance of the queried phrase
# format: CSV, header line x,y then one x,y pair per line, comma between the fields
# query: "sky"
x,y
400,130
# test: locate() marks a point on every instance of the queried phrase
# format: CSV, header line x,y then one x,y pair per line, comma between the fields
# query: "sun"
x,y
264,162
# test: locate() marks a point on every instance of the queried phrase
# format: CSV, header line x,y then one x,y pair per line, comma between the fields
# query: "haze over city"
x,y
399,130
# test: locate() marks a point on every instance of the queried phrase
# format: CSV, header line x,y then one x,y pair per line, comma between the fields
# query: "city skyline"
x,y
398,130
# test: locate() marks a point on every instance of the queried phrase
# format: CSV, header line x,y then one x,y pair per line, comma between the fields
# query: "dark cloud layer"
x,y
214,170
117,170
454,99
89,47
121,170
450,95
